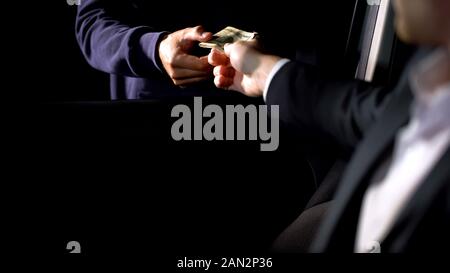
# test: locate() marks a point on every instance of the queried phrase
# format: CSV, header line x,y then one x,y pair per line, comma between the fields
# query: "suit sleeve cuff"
x,y
150,44
272,74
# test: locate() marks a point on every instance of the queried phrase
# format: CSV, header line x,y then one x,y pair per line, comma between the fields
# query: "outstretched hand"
x,y
174,53
241,68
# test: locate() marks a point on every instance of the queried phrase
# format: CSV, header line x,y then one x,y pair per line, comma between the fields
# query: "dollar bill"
x,y
228,35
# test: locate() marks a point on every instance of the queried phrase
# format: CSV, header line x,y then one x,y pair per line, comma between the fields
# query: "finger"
x,y
183,73
189,81
216,58
253,43
222,70
197,34
191,62
228,48
239,46
204,59
223,82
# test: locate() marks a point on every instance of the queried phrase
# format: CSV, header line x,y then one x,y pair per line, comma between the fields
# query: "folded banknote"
x,y
228,35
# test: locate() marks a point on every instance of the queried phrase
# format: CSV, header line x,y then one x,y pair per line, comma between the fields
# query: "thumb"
x,y
228,48
197,34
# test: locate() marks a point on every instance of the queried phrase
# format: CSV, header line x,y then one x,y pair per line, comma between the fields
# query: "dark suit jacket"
x,y
121,37
367,121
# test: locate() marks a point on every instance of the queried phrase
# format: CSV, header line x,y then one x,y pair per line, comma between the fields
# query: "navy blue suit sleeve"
x,y
112,45
345,110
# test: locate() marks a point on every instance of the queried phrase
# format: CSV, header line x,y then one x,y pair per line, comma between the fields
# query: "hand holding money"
x,y
242,68
228,35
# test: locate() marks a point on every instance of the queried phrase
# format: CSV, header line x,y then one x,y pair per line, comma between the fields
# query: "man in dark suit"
x,y
395,193
150,49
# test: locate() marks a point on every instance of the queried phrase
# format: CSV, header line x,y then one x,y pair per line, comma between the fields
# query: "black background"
x,y
109,176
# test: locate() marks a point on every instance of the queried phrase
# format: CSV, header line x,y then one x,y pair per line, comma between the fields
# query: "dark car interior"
x,y
108,173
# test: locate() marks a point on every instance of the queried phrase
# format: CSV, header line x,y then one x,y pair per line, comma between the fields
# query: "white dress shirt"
x,y
418,148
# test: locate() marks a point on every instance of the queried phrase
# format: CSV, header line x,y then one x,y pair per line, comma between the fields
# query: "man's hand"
x,y
242,68
182,68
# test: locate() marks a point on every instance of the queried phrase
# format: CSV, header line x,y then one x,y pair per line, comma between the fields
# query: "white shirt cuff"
x,y
272,74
